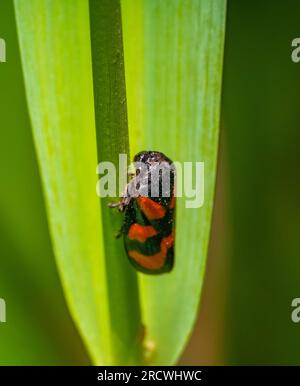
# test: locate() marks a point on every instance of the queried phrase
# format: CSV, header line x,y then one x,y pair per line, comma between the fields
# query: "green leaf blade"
x,y
112,140
55,47
174,106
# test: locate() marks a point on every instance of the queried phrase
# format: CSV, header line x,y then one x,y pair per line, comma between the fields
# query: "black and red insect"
x,y
148,226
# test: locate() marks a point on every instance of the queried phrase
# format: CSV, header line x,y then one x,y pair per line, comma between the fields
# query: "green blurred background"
x,y
253,266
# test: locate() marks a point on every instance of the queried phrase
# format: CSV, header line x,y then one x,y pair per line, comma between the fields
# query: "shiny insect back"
x,y
149,206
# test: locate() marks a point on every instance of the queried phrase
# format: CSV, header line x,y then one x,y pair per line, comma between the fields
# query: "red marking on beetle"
x,y
156,261
151,209
141,232
168,241
172,202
